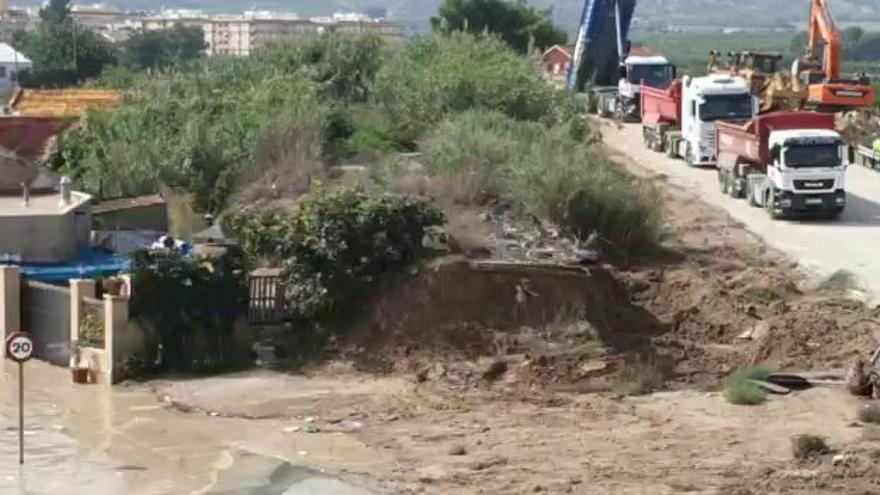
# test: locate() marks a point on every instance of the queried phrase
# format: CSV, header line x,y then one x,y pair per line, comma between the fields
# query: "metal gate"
x,y
45,314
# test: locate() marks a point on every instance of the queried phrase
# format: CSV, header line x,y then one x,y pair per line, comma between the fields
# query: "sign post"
x,y
20,348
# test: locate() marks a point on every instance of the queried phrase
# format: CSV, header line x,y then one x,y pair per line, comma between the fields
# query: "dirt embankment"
x,y
470,377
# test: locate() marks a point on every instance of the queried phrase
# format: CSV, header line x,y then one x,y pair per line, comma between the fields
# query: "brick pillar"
x,y
78,290
10,303
115,333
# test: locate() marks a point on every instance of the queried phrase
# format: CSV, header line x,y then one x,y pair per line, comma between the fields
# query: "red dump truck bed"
x,y
661,105
749,140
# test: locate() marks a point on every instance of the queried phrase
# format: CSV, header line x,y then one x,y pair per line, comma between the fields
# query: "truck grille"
x,y
707,144
814,185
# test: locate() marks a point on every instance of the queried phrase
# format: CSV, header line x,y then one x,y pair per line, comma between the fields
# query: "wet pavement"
x,y
94,439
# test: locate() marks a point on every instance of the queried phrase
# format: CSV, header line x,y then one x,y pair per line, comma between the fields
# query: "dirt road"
x,y
824,247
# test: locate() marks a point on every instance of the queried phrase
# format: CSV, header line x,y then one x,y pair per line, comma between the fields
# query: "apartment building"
x,y
242,35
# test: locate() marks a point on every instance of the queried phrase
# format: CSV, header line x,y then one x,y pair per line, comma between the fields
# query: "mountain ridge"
x,y
651,13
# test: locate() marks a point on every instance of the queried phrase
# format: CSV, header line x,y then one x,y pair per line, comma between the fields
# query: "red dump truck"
x,y
661,112
787,162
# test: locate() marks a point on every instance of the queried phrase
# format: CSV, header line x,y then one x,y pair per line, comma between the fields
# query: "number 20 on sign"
x,y
20,348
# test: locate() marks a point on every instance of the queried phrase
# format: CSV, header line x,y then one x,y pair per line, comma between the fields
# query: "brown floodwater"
x,y
97,439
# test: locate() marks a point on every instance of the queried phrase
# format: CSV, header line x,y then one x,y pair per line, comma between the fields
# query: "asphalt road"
x,y
851,243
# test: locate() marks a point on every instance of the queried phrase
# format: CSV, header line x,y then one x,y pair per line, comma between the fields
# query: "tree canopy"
x,y
63,53
159,49
516,23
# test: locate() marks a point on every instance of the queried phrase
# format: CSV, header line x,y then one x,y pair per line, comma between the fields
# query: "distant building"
x,y
13,21
555,62
12,63
376,13
242,35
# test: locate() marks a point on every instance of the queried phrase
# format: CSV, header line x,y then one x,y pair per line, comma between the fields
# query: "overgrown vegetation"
x,y
190,305
870,414
437,76
640,376
808,447
553,171
336,245
742,389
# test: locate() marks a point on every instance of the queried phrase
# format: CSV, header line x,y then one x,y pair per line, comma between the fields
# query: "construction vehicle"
x,y
819,69
604,62
680,119
786,162
776,90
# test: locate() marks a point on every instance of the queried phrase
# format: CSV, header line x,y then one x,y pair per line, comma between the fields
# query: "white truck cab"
x,y
806,173
705,100
624,101
655,71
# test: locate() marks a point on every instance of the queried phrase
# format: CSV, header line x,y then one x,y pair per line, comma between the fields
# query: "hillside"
x,y
651,13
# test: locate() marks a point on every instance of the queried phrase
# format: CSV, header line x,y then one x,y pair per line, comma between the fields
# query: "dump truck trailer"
x,y
786,162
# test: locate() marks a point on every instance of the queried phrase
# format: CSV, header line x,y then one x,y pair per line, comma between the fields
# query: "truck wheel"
x,y
732,190
750,196
722,181
670,148
769,203
689,156
658,145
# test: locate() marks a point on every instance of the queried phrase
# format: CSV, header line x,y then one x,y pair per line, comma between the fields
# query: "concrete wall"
x,y
9,75
37,238
152,217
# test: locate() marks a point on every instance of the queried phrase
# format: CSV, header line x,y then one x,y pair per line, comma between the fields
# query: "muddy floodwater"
x,y
125,440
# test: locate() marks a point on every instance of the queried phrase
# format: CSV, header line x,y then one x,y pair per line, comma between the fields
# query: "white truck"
x,y
624,101
681,118
790,163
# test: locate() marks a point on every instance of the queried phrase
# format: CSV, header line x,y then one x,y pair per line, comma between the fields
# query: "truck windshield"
x,y
729,107
657,76
813,155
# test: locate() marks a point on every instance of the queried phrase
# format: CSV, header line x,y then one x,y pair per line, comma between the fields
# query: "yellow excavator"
x,y
776,89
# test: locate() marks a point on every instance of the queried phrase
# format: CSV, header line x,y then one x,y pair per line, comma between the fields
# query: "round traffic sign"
x,y
19,347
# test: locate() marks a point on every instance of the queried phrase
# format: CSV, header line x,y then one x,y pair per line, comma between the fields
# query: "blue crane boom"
x,y
602,42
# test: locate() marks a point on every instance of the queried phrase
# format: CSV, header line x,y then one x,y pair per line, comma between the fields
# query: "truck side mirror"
x,y
774,153
850,154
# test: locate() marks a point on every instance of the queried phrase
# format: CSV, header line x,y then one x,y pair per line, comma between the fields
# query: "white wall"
x,y
8,75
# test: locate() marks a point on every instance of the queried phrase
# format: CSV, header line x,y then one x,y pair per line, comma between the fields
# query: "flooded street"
x,y
94,439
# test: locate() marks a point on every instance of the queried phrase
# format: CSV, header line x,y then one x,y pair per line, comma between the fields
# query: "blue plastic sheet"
x,y
89,263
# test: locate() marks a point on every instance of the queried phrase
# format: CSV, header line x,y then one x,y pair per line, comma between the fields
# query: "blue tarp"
x,y
89,263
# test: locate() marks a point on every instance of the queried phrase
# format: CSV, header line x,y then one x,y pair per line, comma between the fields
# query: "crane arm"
x,y
822,30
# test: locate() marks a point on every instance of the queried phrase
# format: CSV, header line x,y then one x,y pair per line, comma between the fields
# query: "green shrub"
x,y
743,391
480,155
808,447
870,414
438,75
336,245
200,126
192,304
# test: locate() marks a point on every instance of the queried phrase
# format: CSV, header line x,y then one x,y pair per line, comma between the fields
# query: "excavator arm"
x,y
824,37
820,68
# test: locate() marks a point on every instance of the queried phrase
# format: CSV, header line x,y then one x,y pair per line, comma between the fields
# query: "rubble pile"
x,y
859,126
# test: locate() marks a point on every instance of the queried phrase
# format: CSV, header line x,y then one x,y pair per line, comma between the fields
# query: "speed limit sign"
x,y
19,347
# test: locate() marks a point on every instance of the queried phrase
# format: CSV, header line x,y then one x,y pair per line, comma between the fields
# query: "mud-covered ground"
x,y
619,393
